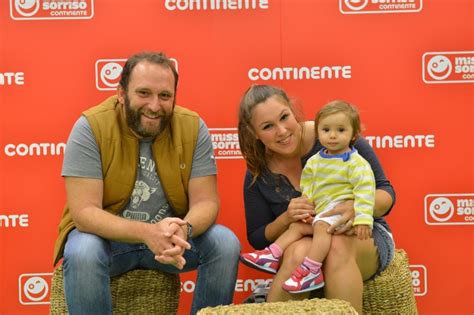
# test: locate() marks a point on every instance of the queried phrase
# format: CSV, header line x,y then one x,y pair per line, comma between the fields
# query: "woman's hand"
x,y
299,209
344,223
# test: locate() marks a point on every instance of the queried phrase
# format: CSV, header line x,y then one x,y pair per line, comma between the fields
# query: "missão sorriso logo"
x,y
419,277
33,288
108,71
448,67
225,142
379,6
51,10
449,209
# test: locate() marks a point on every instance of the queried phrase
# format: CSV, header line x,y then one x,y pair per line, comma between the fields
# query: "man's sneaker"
x,y
259,294
262,260
303,280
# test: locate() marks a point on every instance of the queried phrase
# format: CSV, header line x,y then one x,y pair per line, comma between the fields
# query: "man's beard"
x,y
134,120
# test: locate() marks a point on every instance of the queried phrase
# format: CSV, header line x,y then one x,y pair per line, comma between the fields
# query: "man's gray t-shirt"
x,y
148,201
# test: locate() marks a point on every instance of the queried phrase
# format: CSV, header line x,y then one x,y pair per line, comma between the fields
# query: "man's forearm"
x,y
202,215
106,225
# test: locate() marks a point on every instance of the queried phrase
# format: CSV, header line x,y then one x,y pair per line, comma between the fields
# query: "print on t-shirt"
x,y
148,201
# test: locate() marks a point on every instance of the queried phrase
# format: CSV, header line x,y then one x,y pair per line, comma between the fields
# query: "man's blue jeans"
x,y
90,261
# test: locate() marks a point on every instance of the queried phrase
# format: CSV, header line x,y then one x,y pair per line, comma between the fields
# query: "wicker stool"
x,y
389,293
392,291
135,292
314,306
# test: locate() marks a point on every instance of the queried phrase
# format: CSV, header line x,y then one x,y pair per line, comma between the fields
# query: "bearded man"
x,y
141,188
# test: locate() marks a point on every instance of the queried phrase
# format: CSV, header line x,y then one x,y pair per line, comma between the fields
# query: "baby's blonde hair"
x,y
339,106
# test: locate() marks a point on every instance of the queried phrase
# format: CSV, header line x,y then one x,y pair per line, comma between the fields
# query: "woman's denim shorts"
x,y
385,246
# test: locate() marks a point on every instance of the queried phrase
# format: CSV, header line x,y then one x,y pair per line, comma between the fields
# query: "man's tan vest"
x,y
172,151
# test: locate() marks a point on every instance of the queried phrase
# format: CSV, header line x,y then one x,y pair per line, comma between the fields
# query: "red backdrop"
x,y
407,64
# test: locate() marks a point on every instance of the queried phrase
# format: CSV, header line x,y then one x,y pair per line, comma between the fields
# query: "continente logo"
x,y
215,5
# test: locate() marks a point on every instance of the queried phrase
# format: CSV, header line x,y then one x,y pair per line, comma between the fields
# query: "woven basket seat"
x,y
389,293
392,291
134,292
313,306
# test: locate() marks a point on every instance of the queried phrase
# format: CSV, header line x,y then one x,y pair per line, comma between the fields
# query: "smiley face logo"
x,y
356,5
35,289
110,74
439,67
441,209
27,7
